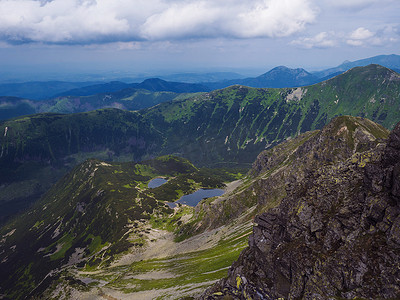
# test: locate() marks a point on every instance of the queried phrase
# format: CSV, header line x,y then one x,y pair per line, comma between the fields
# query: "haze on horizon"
x,y
39,37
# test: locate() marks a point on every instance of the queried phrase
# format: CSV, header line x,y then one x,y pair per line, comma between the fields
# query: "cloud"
x,y
353,5
361,37
364,37
321,40
361,34
65,21
103,21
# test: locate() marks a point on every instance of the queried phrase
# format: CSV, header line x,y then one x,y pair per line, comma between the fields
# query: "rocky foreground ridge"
x,y
336,234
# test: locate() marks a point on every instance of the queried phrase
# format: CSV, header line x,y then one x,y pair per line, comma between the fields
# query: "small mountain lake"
x,y
194,198
156,182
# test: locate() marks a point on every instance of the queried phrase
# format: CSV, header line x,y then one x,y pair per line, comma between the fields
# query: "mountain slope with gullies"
x,y
335,234
227,127
231,126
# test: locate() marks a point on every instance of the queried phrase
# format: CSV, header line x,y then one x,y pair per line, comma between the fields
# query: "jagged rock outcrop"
x,y
277,170
336,235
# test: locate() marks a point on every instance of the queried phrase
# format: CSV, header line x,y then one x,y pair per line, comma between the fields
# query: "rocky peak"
x,y
391,161
337,141
392,151
337,232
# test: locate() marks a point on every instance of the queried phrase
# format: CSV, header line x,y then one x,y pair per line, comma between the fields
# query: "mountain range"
x,y
282,76
389,61
79,219
152,85
278,77
37,90
136,96
55,89
117,94
227,127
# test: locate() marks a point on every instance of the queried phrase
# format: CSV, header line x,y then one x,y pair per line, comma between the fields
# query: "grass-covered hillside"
x,y
93,215
234,124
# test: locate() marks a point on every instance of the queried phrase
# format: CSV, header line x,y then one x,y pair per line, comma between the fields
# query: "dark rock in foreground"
x,y
337,233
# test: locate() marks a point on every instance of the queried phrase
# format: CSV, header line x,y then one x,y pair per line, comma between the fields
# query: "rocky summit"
x,y
336,234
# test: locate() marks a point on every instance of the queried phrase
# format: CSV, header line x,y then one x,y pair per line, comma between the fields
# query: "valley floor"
x,y
163,268
166,269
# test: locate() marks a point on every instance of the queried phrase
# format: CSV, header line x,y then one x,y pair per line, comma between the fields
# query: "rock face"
x,y
336,235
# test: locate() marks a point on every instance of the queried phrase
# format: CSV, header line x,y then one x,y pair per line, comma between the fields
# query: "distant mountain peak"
x,y
283,68
155,79
287,69
157,84
282,76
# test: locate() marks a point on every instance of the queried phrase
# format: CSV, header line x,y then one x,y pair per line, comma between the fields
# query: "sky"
x,y
39,37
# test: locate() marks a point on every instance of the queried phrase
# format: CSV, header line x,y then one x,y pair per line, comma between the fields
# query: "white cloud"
x,y
273,18
360,37
364,37
361,34
196,18
59,21
101,21
321,40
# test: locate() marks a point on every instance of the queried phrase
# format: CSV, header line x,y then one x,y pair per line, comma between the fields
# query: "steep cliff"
x,y
336,234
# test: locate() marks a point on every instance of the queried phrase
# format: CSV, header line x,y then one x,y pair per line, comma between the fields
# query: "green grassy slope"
x,y
93,214
236,123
